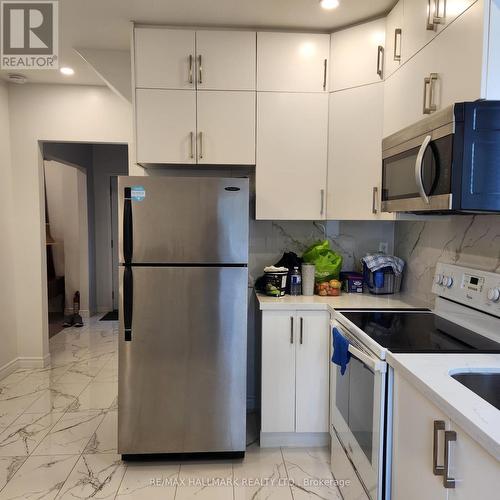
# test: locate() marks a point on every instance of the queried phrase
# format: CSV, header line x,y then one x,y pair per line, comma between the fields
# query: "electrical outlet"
x,y
383,247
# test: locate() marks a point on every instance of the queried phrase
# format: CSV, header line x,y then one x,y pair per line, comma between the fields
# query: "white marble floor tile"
x,y
94,476
149,481
22,437
11,409
71,434
261,476
109,373
96,396
39,478
105,438
306,467
12,379
58,397
206,481
8,467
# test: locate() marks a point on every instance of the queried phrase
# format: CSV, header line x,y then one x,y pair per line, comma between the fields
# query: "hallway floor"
x,y
58,430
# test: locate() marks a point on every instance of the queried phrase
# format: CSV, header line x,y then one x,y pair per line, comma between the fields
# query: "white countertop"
x,y
430,373
344,301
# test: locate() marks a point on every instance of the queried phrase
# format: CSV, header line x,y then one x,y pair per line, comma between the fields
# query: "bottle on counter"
x,y
295,282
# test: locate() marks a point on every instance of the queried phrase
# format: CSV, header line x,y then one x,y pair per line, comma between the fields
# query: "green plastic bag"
x,y
328,263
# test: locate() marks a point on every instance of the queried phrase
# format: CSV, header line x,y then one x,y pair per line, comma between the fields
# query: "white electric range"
x,y
465,319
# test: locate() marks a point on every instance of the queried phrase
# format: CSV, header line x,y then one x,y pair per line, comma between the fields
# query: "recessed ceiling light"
x,y
329,4
65,70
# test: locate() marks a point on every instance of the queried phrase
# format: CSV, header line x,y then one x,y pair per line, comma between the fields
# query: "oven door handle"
x,y
419,165
375,365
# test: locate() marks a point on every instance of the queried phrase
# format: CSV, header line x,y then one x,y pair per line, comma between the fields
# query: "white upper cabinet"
x,y
404,90
354,171
292,62
226,60
165,126
424,19
292,130
164,58
394,39
226,127
357,55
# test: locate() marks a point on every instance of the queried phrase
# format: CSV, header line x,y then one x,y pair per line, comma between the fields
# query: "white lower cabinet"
x,y
295,364
418,427
291,164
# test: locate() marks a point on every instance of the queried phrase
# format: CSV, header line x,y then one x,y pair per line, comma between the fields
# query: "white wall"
x,y
8,336
67,207
49,113
108,160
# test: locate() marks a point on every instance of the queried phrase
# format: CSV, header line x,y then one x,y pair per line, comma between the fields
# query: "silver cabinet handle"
x,y
430,14
438,18
374,200
398,34
201,145
380,61
291,329
449,436
325,64
322,196
437,470
190,68
200,70
419,165
429,106
301,330
191,138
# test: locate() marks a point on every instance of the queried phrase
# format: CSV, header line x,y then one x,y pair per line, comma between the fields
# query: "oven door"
x,y
416,175
357,412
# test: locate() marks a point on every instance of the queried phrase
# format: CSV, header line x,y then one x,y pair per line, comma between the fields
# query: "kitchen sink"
x,y
485,385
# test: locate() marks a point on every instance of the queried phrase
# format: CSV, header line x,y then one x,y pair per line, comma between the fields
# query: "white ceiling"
x,y
105,24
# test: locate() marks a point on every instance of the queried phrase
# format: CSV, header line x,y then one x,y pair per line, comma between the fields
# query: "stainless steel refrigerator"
x,y
183,315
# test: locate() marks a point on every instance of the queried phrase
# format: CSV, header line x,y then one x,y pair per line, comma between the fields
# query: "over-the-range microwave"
x,y
448,162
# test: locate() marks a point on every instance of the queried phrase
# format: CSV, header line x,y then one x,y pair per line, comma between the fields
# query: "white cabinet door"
x,y
355,55
412,450
404,90
278,371
476,472
292,62
312,371
354,171
226,127
228,60
164,58
165,126
394,39
291,164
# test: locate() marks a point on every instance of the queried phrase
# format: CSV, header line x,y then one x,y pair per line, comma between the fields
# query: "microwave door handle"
x,y
419,165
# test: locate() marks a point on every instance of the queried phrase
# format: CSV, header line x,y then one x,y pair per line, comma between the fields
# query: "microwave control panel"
x,y
472,287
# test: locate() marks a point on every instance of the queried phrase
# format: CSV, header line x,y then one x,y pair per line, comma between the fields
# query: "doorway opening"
x,y
81,228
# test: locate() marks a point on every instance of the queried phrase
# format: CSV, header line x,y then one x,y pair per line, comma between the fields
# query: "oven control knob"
x,y
438,279
447,281
494,294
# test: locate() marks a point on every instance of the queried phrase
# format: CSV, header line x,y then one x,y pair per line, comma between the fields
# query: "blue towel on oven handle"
x,y
341,354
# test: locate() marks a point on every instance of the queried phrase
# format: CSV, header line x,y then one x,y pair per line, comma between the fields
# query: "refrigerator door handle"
x,y
128,301
127,227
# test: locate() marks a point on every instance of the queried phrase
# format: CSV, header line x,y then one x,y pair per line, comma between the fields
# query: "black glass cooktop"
x,y
420,332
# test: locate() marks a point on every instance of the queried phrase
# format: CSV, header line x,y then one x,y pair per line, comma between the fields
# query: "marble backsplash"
x,y
352,239
472,241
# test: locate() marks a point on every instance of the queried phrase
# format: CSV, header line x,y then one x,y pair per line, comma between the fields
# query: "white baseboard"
x,y
8,368
293,439
33,361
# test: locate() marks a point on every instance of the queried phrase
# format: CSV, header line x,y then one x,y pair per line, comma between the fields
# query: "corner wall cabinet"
x,y
295,371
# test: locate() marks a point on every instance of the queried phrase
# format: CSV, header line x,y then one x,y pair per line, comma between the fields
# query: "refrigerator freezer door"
x,y
184,220
182,374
